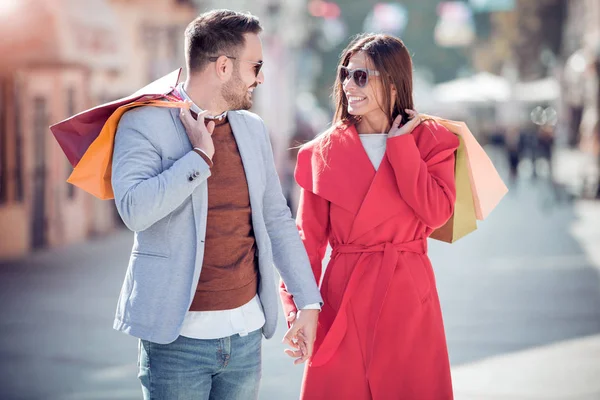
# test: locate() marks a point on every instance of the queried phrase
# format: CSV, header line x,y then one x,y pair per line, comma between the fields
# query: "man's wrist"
x,y
204,156
313,306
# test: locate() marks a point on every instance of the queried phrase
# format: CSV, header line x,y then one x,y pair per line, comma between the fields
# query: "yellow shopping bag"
x,y
463,220
473,166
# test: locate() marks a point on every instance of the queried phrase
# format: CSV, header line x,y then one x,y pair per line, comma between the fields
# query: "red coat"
x,y
380,333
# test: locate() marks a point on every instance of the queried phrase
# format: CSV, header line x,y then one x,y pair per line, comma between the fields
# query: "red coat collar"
x,y
336,167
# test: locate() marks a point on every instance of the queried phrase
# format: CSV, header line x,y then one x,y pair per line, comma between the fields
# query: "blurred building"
x,y
581,80
151,43
60,57
284,36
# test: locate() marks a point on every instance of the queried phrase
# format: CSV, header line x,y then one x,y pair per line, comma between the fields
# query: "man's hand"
x,y
301,336
199,133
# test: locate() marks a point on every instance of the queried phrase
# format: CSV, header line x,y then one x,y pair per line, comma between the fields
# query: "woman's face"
x,y
364,101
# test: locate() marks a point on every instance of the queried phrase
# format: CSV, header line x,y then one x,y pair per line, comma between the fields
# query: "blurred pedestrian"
x,y
545,144
513,143
374,187
201,192
597,133
597,125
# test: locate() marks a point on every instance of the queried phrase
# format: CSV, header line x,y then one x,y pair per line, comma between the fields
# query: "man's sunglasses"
x,y
360,75
257,64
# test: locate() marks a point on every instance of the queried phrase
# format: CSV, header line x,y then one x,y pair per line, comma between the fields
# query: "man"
x,y
205,203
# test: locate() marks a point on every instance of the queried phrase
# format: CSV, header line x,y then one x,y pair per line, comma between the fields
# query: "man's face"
x,y
237,91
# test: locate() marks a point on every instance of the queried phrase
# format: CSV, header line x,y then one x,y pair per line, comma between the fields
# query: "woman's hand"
x,y
413,121
302,334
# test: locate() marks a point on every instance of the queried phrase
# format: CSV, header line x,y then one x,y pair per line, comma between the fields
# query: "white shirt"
x,y
374,144
220,324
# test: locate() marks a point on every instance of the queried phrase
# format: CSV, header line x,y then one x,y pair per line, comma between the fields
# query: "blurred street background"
x,y
520,296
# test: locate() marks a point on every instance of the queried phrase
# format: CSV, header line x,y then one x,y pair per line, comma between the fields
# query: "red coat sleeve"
x,y
313,223
423,163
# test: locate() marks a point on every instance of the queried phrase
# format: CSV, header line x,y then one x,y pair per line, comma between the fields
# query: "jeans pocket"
x,y
143,354
139,353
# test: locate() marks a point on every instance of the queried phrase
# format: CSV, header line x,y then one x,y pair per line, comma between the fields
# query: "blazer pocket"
x,y
155,241
145,253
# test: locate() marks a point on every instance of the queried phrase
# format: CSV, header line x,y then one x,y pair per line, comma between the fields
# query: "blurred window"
x,y
3,145
40,132
151,40
174,43
40,119
18,145
70,111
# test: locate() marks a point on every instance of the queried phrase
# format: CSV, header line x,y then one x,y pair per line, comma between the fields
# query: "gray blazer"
x,y
161,194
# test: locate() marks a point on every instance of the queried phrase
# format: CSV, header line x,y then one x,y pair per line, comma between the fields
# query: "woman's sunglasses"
x,y
360,75
257,64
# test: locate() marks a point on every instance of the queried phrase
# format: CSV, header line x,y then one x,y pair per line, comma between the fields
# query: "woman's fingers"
x,y
414,119
291,317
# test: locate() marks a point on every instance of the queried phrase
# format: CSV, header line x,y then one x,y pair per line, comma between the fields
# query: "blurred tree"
x,y
492,51
540,26
444,63
527,35
418,37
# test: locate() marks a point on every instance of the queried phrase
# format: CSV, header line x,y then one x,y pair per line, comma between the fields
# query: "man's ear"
x,y
224,67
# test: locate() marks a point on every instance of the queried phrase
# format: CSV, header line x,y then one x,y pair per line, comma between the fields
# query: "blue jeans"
x,y
215,369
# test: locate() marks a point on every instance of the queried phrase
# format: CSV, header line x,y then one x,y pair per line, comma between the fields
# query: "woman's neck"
x,y
373,124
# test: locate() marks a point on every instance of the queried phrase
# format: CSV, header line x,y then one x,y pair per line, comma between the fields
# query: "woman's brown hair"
x,y
390,57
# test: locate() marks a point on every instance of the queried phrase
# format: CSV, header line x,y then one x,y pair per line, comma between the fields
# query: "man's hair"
x,y
217,33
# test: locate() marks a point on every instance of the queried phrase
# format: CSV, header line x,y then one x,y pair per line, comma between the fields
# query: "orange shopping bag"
x,y
94,171
76,133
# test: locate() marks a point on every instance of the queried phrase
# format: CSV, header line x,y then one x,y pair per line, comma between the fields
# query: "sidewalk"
x,y
520,297
568,370
575,169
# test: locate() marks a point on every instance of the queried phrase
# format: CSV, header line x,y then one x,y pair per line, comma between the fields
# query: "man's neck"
x,y
203,96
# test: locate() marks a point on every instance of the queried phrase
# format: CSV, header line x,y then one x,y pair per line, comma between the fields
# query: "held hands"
x,y
413,121
301,336
199,133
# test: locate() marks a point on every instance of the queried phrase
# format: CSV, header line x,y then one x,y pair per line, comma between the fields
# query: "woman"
x,y
375,189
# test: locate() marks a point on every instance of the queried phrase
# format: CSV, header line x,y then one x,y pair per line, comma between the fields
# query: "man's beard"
x,y
235,93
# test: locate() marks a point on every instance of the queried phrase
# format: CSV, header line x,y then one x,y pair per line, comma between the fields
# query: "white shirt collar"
x,y
195,107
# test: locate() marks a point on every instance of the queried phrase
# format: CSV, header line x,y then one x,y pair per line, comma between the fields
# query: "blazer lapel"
x,y
248,152
198,197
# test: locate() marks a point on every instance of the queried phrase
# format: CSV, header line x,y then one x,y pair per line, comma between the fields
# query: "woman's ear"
x,y
393,98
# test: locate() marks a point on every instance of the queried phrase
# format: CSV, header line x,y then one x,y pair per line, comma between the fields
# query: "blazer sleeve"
x,y
288,252
313,224
144,193
423,164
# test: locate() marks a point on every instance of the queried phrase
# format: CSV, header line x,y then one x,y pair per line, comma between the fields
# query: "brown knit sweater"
x,y
229,277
